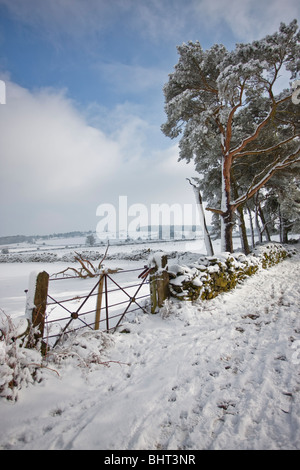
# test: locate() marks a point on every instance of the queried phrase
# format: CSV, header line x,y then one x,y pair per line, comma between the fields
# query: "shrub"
x,y
19,366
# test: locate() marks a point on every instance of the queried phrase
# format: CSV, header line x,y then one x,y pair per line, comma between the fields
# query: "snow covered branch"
x,y
254,187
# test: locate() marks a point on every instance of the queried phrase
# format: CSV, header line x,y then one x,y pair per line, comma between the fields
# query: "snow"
x,y
30,294
216,374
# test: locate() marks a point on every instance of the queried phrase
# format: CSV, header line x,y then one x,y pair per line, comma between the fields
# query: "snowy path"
x,y
221,374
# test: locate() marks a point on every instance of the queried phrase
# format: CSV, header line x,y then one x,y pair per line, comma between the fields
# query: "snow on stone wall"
x,y
211,275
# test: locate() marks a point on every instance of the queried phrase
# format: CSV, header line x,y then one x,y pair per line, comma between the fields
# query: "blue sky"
x,y
84,101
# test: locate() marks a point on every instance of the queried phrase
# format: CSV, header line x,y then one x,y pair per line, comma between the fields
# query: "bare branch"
x,y
105,254
84,271
216,211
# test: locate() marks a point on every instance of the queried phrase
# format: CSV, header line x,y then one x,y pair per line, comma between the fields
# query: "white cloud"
x,y
247,19
132,78
87,18
156,20
56,168
52,162
163,20
47,142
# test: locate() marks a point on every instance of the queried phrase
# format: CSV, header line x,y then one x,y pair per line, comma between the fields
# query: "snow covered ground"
x,y
219,374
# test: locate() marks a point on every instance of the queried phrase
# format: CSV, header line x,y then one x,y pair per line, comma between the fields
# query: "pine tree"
x,y
283,201
223,106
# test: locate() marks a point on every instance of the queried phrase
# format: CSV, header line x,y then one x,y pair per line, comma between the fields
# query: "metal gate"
x,y
74,303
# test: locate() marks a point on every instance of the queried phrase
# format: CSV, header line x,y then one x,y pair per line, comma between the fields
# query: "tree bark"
x,y
227,210
284,228
257,226
263,221
226,231
241,219
243,231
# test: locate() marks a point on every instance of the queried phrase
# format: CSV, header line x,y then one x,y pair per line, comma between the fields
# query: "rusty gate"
x,y
74,303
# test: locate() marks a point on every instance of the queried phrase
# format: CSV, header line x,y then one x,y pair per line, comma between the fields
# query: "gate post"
x,y
36,304
159,283
99,302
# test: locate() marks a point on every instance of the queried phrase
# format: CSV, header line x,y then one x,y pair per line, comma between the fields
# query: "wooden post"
x,y
39,308
159,284
153,293
99,303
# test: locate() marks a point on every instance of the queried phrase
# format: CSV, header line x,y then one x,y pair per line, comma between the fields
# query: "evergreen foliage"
x,y
223,107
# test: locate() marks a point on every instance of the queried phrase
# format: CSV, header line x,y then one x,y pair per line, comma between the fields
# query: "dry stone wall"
x,y
212,275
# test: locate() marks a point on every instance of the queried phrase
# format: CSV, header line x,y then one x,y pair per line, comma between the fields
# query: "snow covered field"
x,y
219,374
14,277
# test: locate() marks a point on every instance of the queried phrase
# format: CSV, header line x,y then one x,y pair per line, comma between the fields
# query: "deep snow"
x,y
218,374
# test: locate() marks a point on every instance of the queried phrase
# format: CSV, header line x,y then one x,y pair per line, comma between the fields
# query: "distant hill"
x,y
14,239
11,239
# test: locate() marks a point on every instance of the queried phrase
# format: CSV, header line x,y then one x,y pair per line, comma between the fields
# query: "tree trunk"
x,y
251,227
284,229
226,231
257,226
226,209
243,231
285,233
265,227
207,239
241,219
280,224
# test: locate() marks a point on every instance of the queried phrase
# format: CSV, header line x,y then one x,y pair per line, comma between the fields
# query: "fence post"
x,y
39,297
99,302
159,283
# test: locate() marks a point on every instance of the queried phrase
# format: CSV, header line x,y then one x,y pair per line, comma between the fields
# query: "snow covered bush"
x,y
82,348
19,366
91,255
41,257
